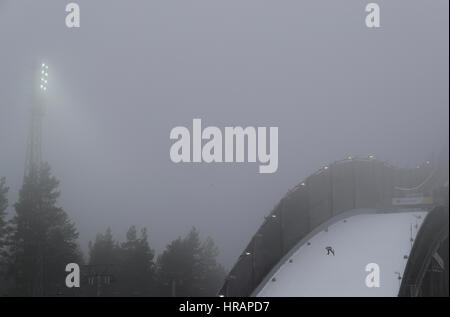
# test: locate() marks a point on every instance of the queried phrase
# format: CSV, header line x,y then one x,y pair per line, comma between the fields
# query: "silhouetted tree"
x,y
211,273
43,239
3,231
3,205
130,264
104,260
188,267
104,251
136,272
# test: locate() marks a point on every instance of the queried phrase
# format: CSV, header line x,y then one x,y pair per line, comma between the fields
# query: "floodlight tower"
x,y
33,157
33,154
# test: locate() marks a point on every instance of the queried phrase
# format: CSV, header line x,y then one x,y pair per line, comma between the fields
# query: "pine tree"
x,y
136,276
188,267
3,231
43,240
103,268
104,251
211,273
3,206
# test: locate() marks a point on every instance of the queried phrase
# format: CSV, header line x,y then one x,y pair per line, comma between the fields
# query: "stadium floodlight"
x,y
44,77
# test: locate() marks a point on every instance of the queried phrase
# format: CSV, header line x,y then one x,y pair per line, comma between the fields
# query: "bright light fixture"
x,y
44,76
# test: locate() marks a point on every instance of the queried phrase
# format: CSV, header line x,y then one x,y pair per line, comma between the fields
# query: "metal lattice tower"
x,y
33,157
33,154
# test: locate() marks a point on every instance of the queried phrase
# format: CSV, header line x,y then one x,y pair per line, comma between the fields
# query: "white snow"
x,y
359,240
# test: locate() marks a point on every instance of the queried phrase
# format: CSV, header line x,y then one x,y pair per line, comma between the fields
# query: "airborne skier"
x,y
329,250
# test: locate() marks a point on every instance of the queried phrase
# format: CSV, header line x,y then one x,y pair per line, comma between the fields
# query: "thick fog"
x,y
136,69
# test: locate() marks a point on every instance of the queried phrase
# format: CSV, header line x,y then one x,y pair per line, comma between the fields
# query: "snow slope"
x,y
382,238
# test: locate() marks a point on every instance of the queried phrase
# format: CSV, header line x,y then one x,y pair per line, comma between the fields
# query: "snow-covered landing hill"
x,y
382,238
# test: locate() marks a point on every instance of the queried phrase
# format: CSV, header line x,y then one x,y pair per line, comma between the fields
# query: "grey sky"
x,y
136,69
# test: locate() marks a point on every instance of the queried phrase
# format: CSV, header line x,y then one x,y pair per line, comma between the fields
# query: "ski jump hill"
x,y
370,213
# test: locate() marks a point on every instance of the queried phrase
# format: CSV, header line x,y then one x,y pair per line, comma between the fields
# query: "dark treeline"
x,y
39,240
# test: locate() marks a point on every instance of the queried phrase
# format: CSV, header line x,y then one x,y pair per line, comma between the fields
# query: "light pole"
x,y
33,154
33,159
